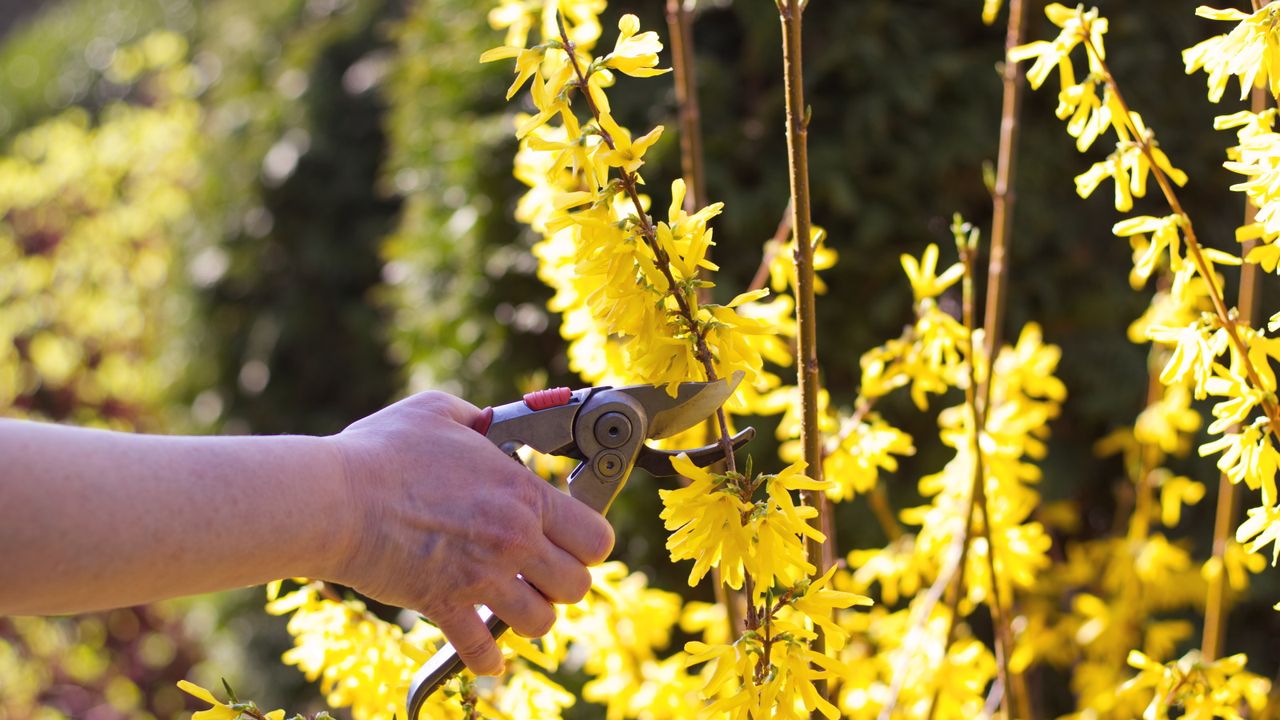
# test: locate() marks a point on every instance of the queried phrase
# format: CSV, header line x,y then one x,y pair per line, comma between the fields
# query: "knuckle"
x,y
539,622
511,540
578,587
603,544
526,489
474,651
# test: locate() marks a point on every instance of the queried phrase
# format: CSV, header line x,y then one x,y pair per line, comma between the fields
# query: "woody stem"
x,y
1215,610
1193,248
661,261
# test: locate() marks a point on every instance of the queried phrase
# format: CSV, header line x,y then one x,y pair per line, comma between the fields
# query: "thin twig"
x,y
1193,245
680,31
661,261
1215,607
807,341
1003,194
772,248
821,555
978,498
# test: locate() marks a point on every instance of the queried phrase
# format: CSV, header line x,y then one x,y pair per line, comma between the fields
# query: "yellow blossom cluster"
x,y
633,295
89,212
614,635
626,285
1200,351
1193,688
917,660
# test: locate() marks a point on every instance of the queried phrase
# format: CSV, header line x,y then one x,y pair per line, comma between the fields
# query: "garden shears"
x,y
605,429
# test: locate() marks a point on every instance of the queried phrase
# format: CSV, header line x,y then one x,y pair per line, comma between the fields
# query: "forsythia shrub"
x,y
790,637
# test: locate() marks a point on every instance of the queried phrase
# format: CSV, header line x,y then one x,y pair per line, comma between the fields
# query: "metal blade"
x,y
658,462
693,403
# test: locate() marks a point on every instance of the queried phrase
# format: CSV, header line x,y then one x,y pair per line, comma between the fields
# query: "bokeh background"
x,y
271,216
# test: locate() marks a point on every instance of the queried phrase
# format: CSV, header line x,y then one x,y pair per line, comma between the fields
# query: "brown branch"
x,y
1225,317
1215,607
680,30
978,501
821,555
1018,700
1003,195
772,248
661,261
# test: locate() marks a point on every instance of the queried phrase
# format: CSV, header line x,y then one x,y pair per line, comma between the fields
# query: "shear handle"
x,y
444,664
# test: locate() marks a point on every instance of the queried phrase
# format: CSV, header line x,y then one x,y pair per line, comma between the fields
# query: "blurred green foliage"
x,y
346,233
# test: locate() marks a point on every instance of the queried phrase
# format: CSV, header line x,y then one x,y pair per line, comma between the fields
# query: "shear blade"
x,y
693,403
658,462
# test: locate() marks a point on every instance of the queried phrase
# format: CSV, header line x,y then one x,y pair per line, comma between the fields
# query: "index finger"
x,y
576,528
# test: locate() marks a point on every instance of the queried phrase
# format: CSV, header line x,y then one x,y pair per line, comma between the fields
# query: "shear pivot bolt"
x,y
613,429
608,464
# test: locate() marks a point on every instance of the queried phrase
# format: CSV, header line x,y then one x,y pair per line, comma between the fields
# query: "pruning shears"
x,y
604,428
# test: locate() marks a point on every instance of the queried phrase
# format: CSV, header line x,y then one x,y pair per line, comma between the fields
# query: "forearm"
x,y
92,519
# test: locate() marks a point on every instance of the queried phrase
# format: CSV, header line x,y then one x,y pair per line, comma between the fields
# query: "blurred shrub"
x,y
94,309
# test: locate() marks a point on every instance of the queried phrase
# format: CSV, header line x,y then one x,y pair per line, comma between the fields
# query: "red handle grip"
x,y
483,421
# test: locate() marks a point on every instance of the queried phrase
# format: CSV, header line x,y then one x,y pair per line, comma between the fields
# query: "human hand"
x,y
442,521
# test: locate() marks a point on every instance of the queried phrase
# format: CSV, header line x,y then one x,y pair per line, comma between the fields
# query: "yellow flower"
x,y
220,710
528,61
865,449
1077,26
1175,491
1249,52
1168,423
635,54
706,522
626,154
1166,240
780,529
818,603
1260,528
990,9
925,283
782,266
1087,116
1129,167
1196,688
533,696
